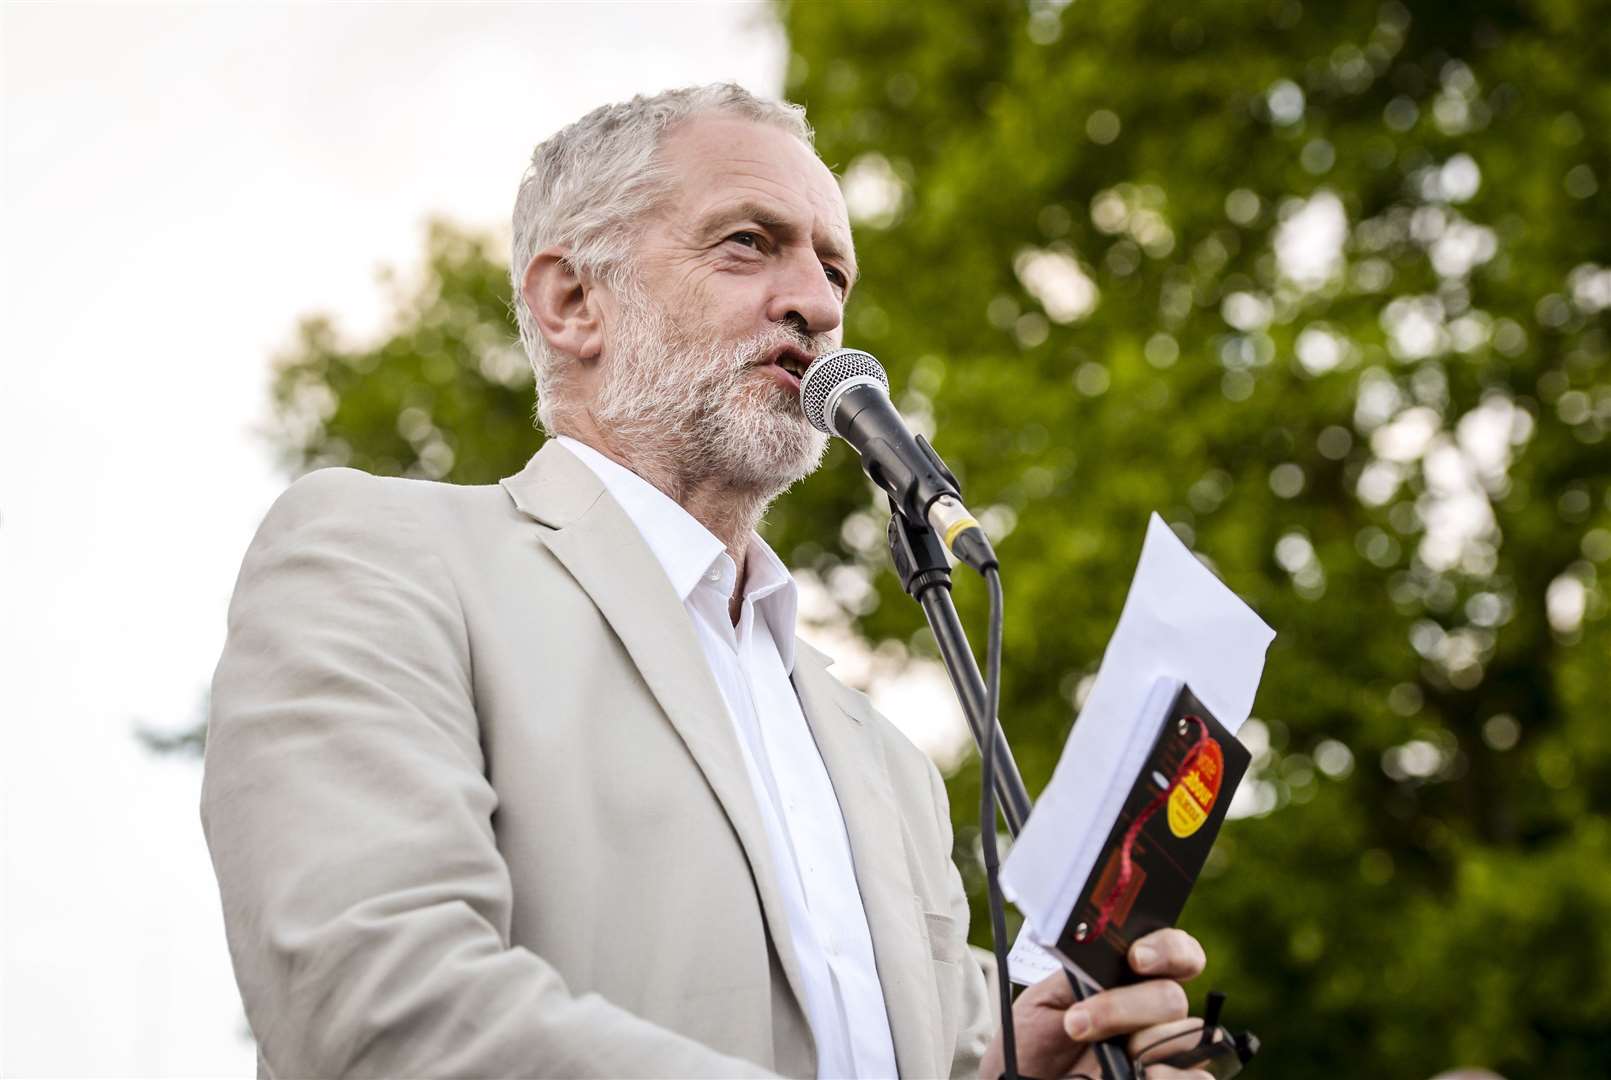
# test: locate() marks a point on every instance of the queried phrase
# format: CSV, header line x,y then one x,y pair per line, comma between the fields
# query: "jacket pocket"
x,y
946,940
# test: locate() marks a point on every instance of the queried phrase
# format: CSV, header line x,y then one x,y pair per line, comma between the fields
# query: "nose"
x,y
803,295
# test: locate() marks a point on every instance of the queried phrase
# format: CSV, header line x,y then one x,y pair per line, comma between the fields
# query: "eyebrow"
x,y
772,221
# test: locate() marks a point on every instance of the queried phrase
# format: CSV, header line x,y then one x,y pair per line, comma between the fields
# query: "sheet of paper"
x,y
1179,622
1028,962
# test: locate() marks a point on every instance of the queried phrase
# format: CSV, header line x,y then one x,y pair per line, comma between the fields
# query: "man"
x,y
534,779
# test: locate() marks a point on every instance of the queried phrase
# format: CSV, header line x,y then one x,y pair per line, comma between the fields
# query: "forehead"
x,y
719,160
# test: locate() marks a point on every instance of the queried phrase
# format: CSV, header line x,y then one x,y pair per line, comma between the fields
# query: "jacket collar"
x,y
554,489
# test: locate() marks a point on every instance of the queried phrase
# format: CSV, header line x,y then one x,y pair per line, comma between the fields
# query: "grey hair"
x,y
590,184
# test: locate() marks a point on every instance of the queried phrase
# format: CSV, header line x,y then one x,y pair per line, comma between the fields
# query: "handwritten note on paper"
x,y
1180,622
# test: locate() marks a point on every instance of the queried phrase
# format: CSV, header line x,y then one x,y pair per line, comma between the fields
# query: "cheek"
x,y
730,303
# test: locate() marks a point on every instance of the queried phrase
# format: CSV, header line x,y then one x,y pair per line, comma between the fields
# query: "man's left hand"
x,y
1054,1035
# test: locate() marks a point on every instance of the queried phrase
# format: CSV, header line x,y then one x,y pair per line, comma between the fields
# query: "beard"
x,y
698,410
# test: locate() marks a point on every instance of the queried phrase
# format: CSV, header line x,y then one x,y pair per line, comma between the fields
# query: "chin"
x,y
804,463
772,451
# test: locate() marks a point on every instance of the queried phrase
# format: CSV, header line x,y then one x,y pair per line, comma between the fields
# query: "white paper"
x,y
1028,962
1179,623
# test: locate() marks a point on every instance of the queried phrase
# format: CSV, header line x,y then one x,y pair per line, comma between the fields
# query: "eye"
x,y
747,239
837,276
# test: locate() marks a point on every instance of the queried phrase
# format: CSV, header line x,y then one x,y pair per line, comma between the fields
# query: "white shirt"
x,y
805,828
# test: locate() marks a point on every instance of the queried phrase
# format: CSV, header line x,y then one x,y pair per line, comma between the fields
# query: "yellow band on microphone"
x,y
957,528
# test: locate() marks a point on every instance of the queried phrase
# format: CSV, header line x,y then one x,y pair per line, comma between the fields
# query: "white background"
x,y
180,185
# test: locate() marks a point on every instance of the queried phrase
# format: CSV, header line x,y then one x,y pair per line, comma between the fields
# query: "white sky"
x,y
179,185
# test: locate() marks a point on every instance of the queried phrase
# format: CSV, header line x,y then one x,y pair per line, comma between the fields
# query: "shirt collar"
x,y
771,587
687,551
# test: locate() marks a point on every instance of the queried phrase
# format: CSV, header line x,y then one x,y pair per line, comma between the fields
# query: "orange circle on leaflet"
x,y
1193,797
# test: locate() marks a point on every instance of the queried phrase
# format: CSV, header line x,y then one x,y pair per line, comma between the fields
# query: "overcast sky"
x,y
180,184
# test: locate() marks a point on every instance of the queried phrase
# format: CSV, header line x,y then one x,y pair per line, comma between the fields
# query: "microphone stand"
x,y
920,563
926,577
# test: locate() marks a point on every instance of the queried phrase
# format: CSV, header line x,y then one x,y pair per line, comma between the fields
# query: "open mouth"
x,y
790,362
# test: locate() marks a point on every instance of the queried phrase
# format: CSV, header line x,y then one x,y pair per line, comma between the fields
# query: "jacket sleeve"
x,y
349,817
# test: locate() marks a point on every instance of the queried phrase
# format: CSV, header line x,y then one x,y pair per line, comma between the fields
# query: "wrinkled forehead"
x,y
719,160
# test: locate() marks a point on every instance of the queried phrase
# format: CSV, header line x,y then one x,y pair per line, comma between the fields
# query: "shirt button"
x,y
713,575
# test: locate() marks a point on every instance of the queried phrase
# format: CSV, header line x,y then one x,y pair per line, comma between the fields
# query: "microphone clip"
x,y
916,549
917,554
940,466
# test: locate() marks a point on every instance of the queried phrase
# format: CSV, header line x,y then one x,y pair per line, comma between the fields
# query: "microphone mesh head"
x,y
827,373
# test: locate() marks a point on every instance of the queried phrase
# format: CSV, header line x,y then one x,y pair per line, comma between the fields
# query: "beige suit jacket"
x,y
476,806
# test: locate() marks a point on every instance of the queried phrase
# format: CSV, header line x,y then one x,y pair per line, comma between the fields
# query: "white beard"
x,y
697,410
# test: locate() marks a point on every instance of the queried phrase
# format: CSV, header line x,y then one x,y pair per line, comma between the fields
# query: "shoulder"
x,y
342,489
903,755
352,498
334,520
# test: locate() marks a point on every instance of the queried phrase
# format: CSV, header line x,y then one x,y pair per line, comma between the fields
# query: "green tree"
x,y
1327,287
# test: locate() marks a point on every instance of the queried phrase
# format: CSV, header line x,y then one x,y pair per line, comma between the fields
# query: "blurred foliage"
x,y
445,393
1326,286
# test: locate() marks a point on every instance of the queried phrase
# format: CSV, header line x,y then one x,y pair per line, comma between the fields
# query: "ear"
x,y
564,304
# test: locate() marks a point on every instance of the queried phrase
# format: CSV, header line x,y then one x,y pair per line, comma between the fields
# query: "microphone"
x,y
846,393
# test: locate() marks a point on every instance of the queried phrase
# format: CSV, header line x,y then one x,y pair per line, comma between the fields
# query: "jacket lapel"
x,y
853,755
602,549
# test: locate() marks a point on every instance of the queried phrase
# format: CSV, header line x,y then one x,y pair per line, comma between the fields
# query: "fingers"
x,y
1164,1072
1125,1009
1168,954
1161,1040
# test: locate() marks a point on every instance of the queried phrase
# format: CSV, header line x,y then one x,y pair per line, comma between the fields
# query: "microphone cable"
x,y
987,822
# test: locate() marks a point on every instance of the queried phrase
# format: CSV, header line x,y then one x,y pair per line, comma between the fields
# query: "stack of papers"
x,y
1180,624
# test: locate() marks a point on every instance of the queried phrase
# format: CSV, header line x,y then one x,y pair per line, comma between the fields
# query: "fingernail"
x,y
1144,957
1077,1022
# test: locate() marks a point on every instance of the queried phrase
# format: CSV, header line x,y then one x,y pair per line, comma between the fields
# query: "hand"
x,y
1054,1035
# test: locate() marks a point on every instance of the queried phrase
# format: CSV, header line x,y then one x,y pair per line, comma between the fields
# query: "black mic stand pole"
x,y
926,576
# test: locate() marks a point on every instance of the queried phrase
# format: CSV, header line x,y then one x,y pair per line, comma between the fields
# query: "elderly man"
x,y
535,779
